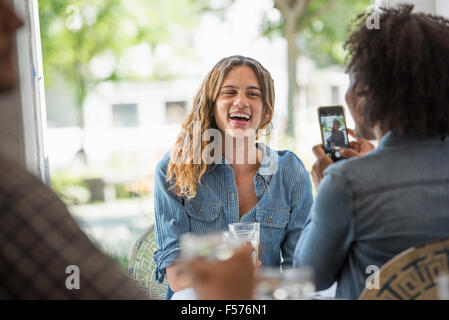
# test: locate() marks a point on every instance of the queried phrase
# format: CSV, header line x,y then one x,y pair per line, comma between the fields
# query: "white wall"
x,y
442,8
438,7
427,6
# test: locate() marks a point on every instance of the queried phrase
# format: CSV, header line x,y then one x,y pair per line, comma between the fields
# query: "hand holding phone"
x,y
321,163
334,152
357,148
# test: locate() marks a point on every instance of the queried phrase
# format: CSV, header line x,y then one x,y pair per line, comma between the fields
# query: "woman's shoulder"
x,y
162,165
289,160
289,164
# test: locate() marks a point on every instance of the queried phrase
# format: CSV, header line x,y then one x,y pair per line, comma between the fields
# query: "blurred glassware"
x,y
290,284
247,232
239,227
212,246
443,286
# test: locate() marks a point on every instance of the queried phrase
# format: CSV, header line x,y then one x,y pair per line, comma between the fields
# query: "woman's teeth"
x,y
239,116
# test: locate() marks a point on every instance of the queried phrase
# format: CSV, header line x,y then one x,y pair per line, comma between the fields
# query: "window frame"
x,y
31,102
117,113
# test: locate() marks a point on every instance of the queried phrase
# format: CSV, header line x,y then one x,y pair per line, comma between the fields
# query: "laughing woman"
x,y
201,193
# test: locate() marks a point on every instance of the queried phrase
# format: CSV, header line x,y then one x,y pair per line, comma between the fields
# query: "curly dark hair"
x,y
402,70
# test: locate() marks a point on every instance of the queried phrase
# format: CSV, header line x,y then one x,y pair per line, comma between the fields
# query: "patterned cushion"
x,y
412,274
142,267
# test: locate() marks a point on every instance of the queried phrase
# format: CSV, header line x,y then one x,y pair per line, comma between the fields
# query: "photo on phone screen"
x,y
333,130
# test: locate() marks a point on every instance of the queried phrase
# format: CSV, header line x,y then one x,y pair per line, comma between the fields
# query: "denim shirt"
x,y
369,209
284,192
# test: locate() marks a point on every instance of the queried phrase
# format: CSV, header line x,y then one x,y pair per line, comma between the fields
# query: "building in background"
x,y
104,169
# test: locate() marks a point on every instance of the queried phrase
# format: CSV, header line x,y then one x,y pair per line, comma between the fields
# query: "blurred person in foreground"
x,y
39,239
379,203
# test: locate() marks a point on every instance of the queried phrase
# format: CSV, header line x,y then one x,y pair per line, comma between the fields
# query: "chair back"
x,y
412,274
142,267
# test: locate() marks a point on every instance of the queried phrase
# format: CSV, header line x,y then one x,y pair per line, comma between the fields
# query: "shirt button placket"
x,y
259,186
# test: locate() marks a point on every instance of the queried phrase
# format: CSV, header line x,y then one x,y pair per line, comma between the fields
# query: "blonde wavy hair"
x,y
186,175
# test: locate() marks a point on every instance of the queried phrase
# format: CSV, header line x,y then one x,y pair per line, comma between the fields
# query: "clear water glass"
x,y
443,286
212,246
247,232
290,284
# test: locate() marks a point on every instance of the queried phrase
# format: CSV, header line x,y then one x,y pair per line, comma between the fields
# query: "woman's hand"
x,y
357,148
233,279
321,163
178,277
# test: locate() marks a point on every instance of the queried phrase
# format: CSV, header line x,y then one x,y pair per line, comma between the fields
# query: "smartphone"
x,y
333,130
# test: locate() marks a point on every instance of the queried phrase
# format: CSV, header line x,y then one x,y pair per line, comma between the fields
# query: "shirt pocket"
x,y
273,222
203,216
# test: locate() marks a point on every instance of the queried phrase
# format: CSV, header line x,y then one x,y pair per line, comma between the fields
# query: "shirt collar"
x,y
384,140
394,139
268,165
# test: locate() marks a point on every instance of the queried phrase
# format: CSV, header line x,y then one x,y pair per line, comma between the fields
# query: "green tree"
x,y
314,28
74,32
324,125
341,122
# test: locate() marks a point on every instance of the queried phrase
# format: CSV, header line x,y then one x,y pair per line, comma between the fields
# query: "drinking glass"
x,y
212,246
247,232
290,284
443,287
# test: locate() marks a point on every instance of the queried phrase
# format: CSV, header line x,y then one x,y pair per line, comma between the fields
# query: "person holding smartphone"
x,y
356,148
383,201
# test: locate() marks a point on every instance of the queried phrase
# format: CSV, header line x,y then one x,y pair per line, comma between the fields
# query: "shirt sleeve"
x,y
43,252
324,244
302,199
171,222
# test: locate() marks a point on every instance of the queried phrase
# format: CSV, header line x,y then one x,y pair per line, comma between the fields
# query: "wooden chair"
x,y
412,274
142,267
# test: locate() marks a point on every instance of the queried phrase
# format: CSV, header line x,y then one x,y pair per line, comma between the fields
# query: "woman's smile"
x,y
239,119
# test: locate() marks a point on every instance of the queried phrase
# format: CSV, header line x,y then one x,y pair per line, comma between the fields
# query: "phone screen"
x,y
333,129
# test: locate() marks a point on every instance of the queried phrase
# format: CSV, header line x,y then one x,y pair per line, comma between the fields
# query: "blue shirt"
x,y
282,186
369,209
